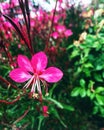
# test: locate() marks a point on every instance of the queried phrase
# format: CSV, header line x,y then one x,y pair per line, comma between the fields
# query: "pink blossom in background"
x,y
60,28
33,71
55,35
14,3
56,19
61,31
68,33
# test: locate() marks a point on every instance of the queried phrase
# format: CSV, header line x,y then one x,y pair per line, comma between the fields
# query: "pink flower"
x,y
68,33
60,28
55,35
33,71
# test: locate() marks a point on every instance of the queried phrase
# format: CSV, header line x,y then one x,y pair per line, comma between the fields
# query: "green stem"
x,y
40,122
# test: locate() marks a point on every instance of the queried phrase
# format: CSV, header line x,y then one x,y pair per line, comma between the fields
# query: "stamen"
x,y
33,86
38,86
28,83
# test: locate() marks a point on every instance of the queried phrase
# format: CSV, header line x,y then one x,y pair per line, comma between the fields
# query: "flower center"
x,y
35,84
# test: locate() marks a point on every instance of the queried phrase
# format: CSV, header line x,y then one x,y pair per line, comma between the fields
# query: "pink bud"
x,y
45,111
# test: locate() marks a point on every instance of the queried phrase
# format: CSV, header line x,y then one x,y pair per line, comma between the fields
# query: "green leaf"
x,y
61,105
98,77
88,65
91,83
82,82
95,109
52,89
69,47
83,92
99,89
99,67
88,93
103,74
92,96
87,72
55,113
55,102
68,107
75,92
75,53
102,111
100,99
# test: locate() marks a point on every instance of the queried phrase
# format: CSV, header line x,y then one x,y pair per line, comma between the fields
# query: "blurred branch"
x,y
8,102
21,117
8,83
51,27
13,126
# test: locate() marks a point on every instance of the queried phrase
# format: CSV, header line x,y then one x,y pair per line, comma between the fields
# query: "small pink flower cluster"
x,y
44,24
5,29
41,27
61,32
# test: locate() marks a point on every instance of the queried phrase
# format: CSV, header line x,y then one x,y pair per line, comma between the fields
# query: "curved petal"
x,y
52,74
23,62
19,75
39,61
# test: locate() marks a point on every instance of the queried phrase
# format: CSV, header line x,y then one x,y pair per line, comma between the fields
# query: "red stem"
x,y
21,117
8,102
7,83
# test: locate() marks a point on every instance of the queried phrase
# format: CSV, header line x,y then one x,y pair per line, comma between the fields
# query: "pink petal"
x,y
52,74
39,61
19,75
24,63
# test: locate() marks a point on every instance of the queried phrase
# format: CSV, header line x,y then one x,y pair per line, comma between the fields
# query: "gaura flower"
x,y
34,71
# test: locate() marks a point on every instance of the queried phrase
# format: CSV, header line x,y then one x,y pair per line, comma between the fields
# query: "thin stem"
x,y
40,122
8,102
28,14
25,10
7,83
21,117
52,22
53,18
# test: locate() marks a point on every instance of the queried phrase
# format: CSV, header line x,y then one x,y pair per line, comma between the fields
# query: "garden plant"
x,y
51,66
